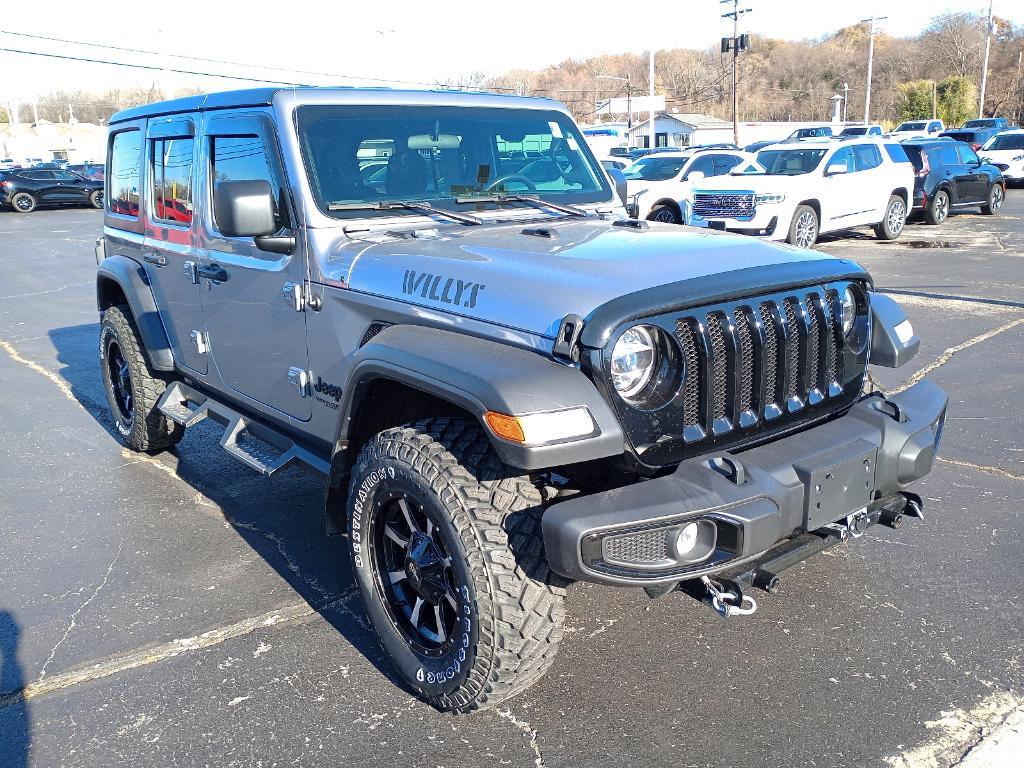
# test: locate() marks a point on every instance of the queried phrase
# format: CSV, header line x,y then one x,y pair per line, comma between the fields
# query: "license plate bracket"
x,y
837,482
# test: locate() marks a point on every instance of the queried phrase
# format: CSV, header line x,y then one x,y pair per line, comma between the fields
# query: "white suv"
x,y
1007,148
794,192
918,128
659,187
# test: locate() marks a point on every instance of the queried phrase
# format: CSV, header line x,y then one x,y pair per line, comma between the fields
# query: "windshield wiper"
x,y
405,205
536,202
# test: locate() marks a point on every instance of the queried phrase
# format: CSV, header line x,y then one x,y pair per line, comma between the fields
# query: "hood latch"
x,y
567,340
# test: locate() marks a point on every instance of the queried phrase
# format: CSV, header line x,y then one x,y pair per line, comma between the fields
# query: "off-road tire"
x,y
488,515
23,202
96,198
797,232
996,197
665,213
146,429
938,209
893,223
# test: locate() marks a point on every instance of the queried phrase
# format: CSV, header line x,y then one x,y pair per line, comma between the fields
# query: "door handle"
x,y
214,272
152,258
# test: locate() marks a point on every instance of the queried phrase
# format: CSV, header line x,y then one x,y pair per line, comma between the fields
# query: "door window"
x,y
967,155
866,157
843,157
725,163
41,175
65,176
943,156
244,158
123,194
172,180
705,165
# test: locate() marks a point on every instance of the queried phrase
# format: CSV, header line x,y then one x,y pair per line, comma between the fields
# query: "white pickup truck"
x,y
794,192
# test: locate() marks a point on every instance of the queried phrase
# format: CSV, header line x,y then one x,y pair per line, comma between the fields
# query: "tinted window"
x,y
123,194
1007,141
41,175
911,127
244,158
897,153
843,157
943,156
704,164
66,176
867,157
653,168
967,155
172,180
725,163
790,162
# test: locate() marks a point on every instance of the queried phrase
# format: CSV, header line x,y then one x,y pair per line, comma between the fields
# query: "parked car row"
x,y
796,191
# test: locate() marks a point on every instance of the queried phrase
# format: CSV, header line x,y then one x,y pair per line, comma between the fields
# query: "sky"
x,y
394,43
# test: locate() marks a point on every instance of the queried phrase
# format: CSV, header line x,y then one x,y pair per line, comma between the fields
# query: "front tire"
x,y
96,198
133,388
665,213
891,227
803,230
996,195
24,202
447,552
938,208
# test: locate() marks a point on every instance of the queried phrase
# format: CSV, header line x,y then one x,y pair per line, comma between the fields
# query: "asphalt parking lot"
x,y
181,610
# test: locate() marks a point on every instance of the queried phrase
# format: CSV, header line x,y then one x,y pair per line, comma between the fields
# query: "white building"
x,y
46,141
681,130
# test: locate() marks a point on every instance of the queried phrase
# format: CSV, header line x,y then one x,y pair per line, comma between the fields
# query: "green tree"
x,y
958,99
916,100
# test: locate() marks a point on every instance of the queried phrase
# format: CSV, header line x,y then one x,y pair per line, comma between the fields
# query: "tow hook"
x,y
914,506
858,523
727,598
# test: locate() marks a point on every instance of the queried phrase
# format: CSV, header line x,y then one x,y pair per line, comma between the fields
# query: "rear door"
x,y
169,245
256,333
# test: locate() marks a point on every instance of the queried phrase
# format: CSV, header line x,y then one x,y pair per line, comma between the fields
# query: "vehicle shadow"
x,y
14,720
281,519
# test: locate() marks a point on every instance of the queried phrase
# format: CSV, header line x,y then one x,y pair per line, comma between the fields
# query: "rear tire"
x,y
477,616
665,213
891,227
133,388
938,209
803,230
24,202
996,195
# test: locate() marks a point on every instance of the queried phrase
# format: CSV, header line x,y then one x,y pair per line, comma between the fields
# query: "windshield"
x,y
1007,141
980,124
652,168
789,162
378,154
854,131
912,127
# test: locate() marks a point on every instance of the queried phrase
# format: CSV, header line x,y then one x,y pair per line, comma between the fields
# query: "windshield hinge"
x,y
567,341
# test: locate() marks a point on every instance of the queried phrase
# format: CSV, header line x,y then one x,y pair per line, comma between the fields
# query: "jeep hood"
x,y
528,275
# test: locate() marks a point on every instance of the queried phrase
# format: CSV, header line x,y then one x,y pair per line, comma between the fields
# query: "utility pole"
x,y
935,89
846,99
871,61
984,64
650,86
736,43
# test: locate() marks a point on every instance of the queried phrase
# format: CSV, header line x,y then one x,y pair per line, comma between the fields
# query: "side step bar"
x,y
255,444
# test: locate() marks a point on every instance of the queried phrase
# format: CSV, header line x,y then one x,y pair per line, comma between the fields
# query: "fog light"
x,y
686,540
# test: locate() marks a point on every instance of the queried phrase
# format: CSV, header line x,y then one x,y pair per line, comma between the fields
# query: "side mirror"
x,y
694,176
244,208
619,180
835,169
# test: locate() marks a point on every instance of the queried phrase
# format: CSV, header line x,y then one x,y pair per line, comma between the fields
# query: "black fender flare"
x,y
131,278
480,375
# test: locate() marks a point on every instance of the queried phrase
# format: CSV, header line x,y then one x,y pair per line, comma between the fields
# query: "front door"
x,y
169,251
255,328
841,204
71,187
975,182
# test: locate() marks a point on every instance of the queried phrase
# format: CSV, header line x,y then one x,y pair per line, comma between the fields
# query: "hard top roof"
x,y
257,97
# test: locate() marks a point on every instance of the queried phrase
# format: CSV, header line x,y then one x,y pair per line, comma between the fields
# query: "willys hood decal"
x,y
529,276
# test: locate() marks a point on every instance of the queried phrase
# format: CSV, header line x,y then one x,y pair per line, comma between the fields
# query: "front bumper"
x,y
770,220
754,499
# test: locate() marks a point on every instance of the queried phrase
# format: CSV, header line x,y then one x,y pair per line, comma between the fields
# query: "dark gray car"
x,y
435,300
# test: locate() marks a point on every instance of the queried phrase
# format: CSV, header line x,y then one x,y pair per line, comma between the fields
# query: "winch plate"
x,y
838,483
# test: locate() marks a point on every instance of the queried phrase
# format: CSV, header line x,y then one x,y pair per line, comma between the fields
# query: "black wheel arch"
x,y
120,280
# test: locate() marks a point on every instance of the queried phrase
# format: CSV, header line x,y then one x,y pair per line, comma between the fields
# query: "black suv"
x,y
949,174
25,189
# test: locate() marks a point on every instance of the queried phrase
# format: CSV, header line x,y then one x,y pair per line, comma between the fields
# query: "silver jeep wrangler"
x,y
435,300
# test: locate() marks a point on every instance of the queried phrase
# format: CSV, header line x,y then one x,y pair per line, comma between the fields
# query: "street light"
x,y
629,97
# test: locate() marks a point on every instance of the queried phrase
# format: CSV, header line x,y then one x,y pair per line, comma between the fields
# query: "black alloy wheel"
x,y
120,381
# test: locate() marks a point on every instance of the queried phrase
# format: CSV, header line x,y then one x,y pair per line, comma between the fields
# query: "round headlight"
x,y
849,310
634,361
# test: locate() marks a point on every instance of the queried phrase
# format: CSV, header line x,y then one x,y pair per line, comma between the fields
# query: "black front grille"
x,y
751,368
724,205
